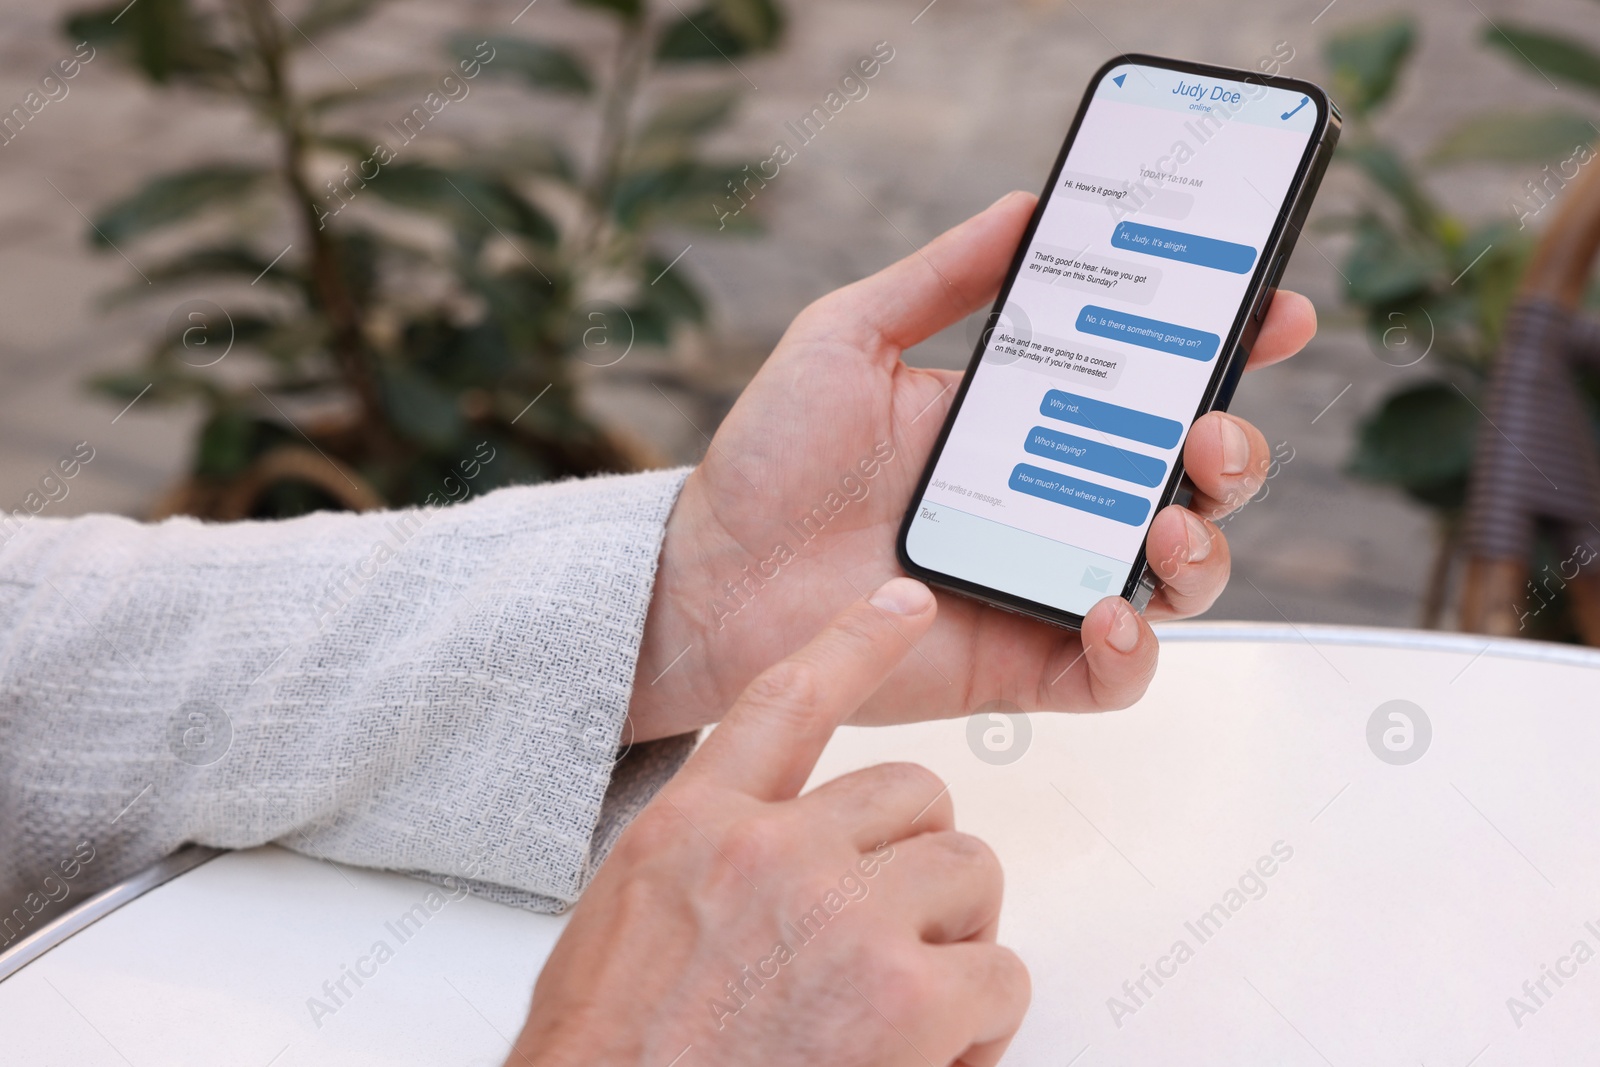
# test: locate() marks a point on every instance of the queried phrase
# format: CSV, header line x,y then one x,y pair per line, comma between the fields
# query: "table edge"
x,y
85,914
1475,645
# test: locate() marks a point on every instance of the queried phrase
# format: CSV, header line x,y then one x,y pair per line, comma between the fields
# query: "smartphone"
x,y
1127,313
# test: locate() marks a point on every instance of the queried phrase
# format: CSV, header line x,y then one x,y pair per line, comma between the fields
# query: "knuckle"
x,y
898,980
1009,975
757,843
911,778
638,903
972,852
1205,583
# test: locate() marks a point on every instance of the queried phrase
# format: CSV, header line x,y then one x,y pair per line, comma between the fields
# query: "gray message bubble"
x,y
1085,366
1090,272
1148,196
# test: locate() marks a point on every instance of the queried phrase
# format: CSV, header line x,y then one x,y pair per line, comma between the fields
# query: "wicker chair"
x,y
1537,462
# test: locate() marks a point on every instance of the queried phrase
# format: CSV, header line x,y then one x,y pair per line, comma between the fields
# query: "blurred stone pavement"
x,y
973,104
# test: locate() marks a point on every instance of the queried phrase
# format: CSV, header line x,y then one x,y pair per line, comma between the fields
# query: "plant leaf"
x,y
174,197
696,37
209,262
651,326
355,146
1551,56
210,342
531,154
1420,439
758,23
542,66
124,385
684,192
1384,167
419,409
458,357
202,264
1492,281
162,38
325,15
157,385
671,293
628,9
721,29
690,115
1367,60
1383,268
227,444
418,82
472,202
1516,137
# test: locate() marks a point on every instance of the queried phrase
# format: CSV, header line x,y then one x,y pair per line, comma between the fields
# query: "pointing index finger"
x,y
771,738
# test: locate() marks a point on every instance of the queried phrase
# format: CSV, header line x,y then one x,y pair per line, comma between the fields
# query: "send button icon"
x,y
1097,579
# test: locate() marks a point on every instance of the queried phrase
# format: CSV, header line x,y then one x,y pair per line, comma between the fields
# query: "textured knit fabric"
x,y
438,691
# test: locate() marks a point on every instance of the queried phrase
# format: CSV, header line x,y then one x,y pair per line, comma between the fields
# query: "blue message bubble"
x,y
1112,504
1184,247
1118,421
1149,333
1095,456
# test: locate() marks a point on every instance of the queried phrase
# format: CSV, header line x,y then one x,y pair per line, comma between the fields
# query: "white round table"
x,y
1241,869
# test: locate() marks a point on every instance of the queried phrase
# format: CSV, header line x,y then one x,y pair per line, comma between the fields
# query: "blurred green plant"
x,y
1428,282
449,307
1530,136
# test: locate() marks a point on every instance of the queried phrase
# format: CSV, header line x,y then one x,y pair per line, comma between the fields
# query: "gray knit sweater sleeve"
x,y
436,691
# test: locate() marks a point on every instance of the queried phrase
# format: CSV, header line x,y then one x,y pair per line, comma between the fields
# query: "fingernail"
x,y
1235,448
1199,537
1124,633
902,596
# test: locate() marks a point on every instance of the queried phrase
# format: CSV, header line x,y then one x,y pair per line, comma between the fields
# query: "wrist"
x,y
676,681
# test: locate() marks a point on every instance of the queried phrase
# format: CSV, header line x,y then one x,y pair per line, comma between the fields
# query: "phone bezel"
x,y
1236,344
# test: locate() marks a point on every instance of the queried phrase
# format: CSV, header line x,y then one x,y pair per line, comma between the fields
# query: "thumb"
x,y
955,274
769,742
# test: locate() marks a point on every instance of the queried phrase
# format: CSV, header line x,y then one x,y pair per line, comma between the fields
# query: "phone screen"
x,y
1129,294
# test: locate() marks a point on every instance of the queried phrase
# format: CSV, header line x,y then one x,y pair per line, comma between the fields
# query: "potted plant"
x,y
392,305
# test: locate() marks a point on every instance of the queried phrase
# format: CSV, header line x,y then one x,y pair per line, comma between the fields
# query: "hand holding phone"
x,y
793,511
1130,310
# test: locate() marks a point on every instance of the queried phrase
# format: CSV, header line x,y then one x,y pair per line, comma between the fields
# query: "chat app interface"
x,y
1111,332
